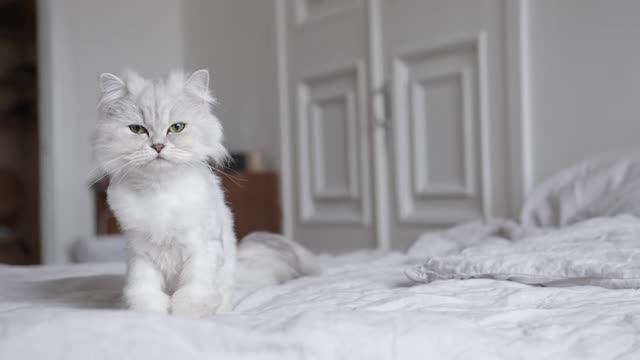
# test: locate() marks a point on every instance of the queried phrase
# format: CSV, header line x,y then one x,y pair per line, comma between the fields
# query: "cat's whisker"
x,y
131,160
99,169
108,162
108,173
120,178
92,183
190,162
202,164
234,179
229,175
225,174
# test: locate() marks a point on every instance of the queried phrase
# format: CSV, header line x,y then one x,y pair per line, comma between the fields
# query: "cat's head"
x,y
149,126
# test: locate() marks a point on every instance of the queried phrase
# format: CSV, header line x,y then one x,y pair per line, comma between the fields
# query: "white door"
x,y
446,68
358,176
324,45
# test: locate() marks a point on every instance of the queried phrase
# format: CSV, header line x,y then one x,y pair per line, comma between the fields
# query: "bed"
x,y
448,297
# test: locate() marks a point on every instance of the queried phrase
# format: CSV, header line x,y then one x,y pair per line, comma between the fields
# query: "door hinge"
x,y
381,105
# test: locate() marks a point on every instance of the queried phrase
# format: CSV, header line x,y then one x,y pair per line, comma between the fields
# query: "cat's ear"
x,y
198,82
111,86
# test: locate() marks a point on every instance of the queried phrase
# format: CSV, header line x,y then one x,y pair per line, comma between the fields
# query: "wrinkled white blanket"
x,y
362,307
601,251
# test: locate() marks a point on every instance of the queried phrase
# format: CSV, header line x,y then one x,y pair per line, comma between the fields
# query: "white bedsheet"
x,y
362,307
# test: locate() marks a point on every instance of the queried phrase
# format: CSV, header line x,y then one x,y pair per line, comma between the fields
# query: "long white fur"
x,y
170,205
269,259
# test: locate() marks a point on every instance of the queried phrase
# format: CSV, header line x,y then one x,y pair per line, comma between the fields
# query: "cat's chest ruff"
x,y
164,208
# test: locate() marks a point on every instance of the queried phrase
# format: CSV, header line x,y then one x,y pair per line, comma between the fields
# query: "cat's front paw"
x,y
145,299
195,301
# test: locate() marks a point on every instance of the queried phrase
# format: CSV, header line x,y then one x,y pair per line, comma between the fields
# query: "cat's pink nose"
x,y
157,147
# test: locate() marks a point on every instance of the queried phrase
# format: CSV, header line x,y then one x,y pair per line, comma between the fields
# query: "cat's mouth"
x,y
159,161
161,157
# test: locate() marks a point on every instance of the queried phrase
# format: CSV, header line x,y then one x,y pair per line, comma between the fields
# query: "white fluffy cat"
x,y
154,139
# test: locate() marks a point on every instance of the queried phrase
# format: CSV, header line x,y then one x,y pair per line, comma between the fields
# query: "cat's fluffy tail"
x,y
269,259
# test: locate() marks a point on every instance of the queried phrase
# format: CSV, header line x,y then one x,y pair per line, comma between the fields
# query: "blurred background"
x,y
355,123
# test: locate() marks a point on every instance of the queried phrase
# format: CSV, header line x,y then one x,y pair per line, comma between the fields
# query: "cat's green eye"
x,y
177,127
137,129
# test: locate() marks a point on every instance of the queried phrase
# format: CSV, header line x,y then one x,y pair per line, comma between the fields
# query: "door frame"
x,y
519,101
56,212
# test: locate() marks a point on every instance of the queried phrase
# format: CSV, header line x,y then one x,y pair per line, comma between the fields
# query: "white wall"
x,y
586,83
236,41
79,39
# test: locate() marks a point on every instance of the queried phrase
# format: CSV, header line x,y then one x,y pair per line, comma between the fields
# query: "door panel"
x,y
327,57
447,140
329,111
